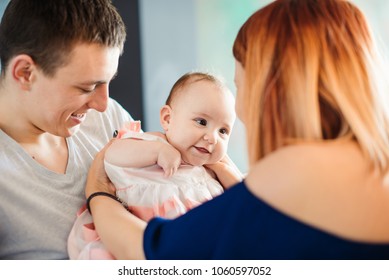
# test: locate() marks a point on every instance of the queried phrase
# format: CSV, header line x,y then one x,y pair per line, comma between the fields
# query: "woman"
x,y
318,146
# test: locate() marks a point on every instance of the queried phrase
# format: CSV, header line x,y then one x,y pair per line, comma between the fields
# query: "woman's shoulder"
x,y
283,176
316,182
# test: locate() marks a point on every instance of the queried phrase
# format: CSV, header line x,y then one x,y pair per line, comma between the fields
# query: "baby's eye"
x,y
201,122
223,131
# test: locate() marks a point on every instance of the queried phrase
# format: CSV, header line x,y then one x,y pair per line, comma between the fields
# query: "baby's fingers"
x,y
170,171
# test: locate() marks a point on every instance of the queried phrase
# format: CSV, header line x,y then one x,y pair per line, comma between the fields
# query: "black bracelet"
x,y
103,194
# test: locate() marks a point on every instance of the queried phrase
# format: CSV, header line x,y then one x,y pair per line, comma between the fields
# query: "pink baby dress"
x,y
148,193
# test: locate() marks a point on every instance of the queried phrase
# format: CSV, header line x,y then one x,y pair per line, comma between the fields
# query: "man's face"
x,y
59,104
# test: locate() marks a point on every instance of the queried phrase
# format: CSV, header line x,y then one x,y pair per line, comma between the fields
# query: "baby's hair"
x,y
190,78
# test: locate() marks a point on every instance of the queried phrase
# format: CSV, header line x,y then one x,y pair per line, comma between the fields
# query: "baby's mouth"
x,y
202,150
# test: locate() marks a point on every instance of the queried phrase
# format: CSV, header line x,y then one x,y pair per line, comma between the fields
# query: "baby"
x,y
166,174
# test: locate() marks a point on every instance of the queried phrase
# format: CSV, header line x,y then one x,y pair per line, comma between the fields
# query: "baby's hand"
x,y
169,159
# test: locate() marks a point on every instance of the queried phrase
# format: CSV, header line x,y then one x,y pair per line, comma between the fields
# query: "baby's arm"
x,y
138,153
226,171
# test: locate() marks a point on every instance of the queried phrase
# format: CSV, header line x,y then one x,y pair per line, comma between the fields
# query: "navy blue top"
x,y
239,225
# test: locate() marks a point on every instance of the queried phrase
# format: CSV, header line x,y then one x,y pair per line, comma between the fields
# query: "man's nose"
x,y
99,99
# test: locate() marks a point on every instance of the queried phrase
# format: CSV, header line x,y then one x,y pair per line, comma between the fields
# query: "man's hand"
x,y
98,180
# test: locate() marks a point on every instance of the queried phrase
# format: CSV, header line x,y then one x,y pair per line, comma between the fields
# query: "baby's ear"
x,y
164,116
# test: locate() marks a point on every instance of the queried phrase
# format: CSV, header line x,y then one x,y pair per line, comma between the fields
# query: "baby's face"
x,y
200,124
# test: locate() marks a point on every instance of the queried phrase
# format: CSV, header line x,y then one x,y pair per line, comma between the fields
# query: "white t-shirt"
x,y
37,206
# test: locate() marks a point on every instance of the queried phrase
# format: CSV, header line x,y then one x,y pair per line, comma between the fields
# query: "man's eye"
x,y
85,90
201,122
88,90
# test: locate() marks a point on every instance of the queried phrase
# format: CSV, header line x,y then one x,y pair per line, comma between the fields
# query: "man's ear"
x,y
164,116
22,67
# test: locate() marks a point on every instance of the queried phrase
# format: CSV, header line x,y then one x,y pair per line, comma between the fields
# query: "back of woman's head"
x,y
309,76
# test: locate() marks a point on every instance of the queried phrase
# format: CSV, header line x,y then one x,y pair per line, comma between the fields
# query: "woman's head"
x,y
307,71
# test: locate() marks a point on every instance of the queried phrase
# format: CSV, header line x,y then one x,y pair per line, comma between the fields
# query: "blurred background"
x,y
167,38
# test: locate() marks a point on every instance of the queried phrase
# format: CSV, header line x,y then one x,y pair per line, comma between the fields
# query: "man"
x,y
57,60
